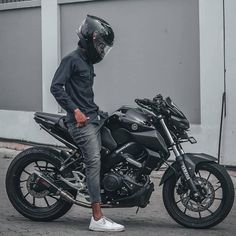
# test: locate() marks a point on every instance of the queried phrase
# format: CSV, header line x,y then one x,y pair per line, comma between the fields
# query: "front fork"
x,y
178,151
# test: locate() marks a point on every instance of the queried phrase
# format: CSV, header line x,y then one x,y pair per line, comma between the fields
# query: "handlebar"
x,y
156,105
145,101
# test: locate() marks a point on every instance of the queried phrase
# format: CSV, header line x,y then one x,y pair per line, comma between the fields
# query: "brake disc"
x,y
206,189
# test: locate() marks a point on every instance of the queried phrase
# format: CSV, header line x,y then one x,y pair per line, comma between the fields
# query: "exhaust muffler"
x,y
41,180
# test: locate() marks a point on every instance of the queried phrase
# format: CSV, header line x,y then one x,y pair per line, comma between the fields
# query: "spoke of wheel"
x,y
26,195
208,176
200,216
207,209
186,207
214,191
210,211
216,198
217,188
53,197
199,212
178,201
46,167
21,181
33,201
26,172
181,199
37,165
45,199
191,204
199,174
185,210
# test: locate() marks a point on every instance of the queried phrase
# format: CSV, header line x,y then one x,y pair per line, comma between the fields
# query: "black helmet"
x,y
96,36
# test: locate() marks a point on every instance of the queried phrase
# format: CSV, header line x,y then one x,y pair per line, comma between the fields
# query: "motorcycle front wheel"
x,y
214,183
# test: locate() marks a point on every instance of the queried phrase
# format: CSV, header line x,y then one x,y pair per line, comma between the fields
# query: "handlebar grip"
x,y
144,101
158,97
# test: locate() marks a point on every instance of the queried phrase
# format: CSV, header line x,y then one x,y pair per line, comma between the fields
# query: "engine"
x,y
112,182
125,172
122,181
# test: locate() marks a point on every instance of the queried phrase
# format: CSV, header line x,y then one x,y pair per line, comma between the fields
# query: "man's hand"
x,y
80,118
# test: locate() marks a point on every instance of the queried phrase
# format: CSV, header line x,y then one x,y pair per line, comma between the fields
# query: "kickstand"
x,y
137,210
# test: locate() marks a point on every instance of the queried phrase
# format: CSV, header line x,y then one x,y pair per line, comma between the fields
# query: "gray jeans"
x,y
88,139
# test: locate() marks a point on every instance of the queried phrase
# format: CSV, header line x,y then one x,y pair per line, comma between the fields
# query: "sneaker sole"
x,y
107,230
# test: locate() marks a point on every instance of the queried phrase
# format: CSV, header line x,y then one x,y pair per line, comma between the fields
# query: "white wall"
x,y
50,50
156,50
211,76
229,134
21,124
20,59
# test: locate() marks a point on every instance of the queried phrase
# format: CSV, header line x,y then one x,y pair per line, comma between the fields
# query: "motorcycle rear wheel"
x,y
215,183
33,205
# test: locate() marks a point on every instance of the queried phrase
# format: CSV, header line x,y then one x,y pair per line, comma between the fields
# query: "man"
x,y
72,87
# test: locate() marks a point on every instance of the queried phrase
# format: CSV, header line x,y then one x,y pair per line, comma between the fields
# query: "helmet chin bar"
x,y
94,56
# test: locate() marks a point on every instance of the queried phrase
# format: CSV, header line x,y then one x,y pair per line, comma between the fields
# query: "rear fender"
x,y
59,154
191,160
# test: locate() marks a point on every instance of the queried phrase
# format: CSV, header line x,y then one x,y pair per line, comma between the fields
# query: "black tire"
x,y
13,187
214,218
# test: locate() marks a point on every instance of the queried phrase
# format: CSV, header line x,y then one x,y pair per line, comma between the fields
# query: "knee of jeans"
x,y
94,161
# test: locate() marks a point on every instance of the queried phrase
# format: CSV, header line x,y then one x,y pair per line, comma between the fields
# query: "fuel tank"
x,y
130,118
132,124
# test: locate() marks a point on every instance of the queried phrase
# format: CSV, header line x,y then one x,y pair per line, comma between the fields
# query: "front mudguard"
x,y
191,161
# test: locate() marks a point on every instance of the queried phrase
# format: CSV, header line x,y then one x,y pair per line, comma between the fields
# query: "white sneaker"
x,y
105,224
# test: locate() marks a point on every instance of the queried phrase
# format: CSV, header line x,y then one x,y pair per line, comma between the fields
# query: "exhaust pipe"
x,y
43,180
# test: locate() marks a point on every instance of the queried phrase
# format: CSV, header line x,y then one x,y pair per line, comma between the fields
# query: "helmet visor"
x,y
100,45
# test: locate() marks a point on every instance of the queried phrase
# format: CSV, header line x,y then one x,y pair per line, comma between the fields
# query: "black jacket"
x,y
72,85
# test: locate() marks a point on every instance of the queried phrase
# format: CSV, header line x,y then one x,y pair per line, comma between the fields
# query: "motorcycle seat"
x,y
54,119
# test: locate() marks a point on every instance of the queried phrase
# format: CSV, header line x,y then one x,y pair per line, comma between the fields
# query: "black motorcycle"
x,y
43,182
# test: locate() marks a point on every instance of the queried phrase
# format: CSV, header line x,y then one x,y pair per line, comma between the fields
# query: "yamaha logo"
x,y
134,126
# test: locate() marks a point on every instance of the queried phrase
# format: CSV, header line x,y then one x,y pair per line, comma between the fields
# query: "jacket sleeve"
x,y
62,75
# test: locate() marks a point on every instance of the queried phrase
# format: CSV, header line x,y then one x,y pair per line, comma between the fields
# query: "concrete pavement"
x,y
150,221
